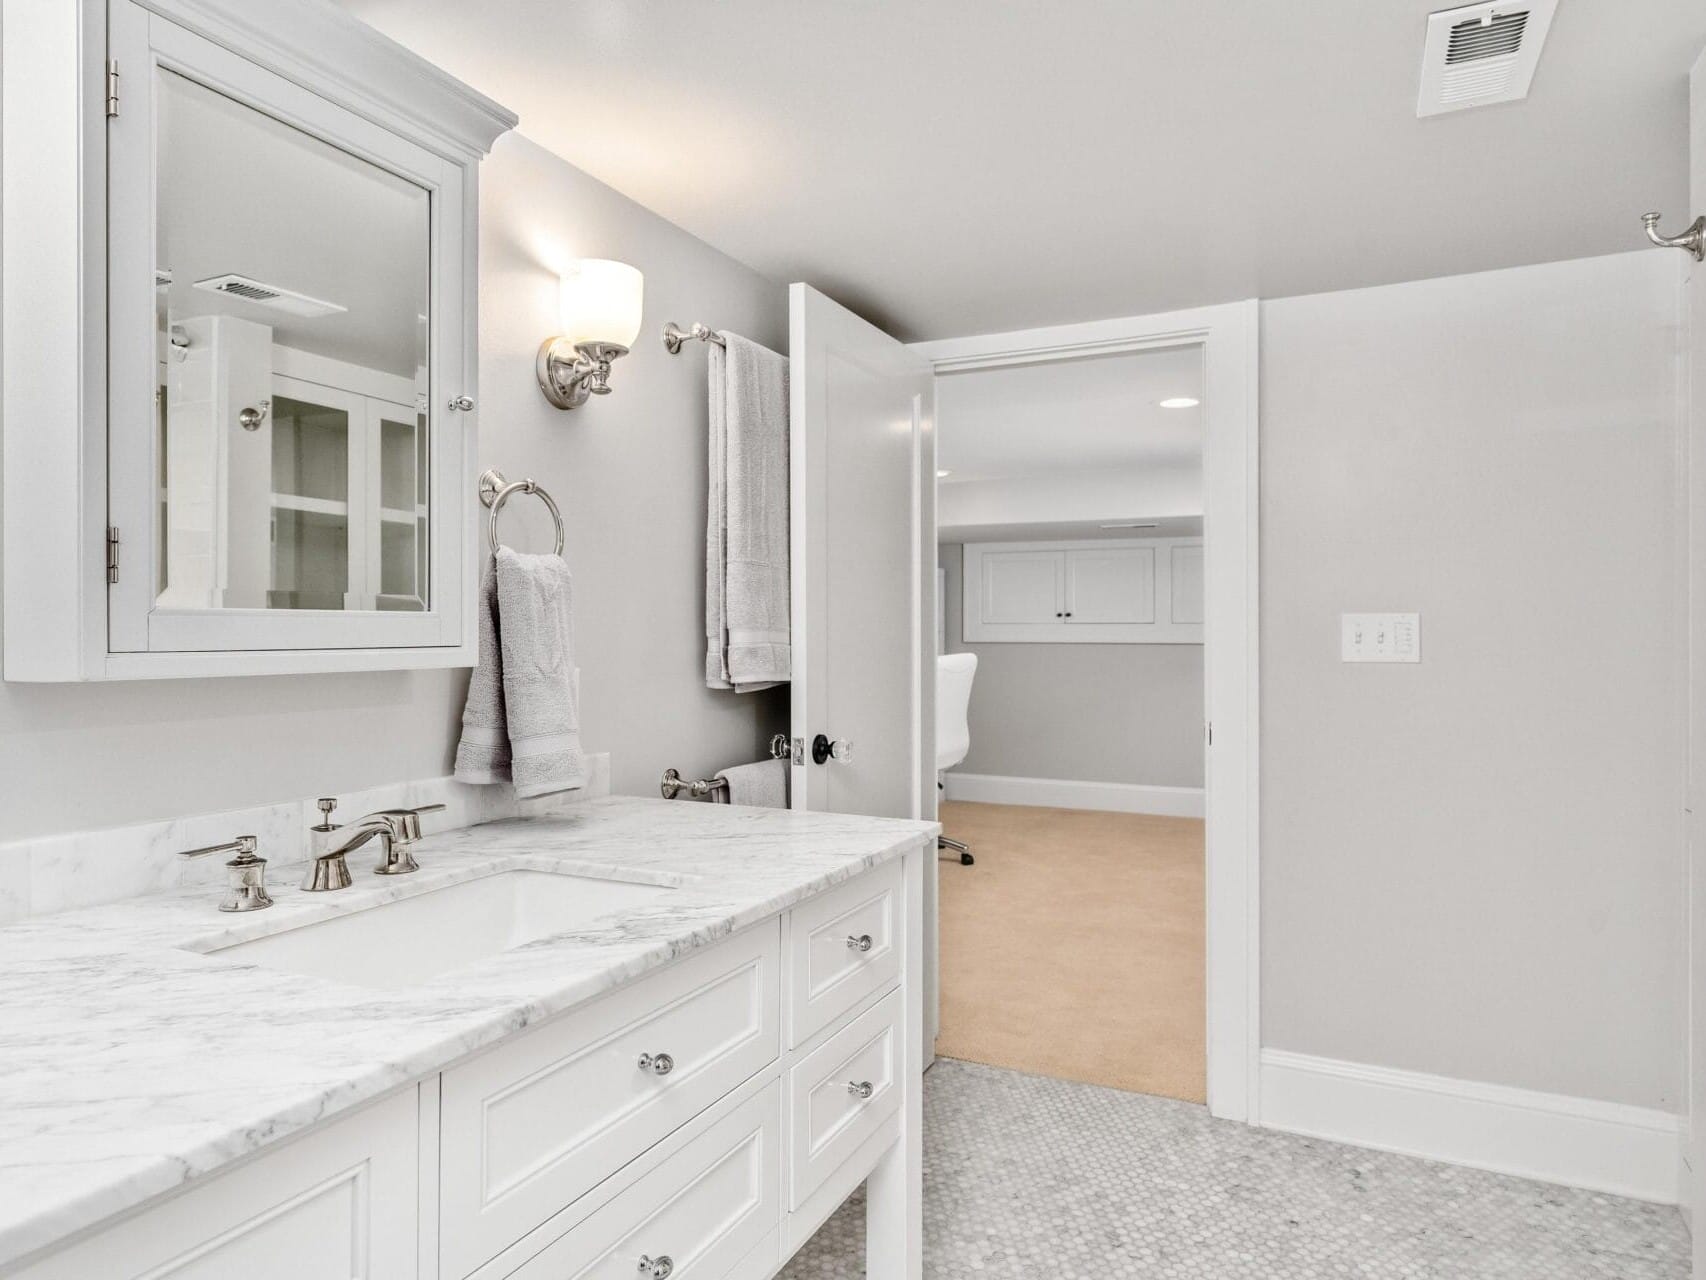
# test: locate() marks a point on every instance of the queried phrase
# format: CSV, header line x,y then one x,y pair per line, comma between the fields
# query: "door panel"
x,y
1116,585
1696,308
1022,587
863,528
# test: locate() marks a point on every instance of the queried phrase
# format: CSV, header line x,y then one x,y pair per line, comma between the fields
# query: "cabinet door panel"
x,y
1116,585
1187,583
337,1204
1021,587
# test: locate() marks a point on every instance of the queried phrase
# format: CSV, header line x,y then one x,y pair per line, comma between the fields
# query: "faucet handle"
x,y
247,873
242,846
326,804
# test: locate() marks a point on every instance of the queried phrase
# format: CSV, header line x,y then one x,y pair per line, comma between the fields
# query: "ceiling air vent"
x,y
269,295
1481,54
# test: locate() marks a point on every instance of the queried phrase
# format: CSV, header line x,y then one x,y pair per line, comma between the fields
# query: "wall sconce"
x,y
600,306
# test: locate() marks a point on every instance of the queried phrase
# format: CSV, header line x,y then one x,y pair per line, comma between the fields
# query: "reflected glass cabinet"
x,y
251,311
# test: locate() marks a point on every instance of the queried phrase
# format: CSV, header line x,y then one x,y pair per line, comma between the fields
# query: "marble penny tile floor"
x,y
1042,1179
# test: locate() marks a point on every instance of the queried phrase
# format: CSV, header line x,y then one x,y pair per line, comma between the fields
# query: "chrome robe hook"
x,y
1693,239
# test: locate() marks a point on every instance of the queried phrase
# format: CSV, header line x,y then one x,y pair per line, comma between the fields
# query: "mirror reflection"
x,y
291,286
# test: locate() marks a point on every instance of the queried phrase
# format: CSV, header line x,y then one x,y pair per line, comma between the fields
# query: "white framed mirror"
x,y
275,397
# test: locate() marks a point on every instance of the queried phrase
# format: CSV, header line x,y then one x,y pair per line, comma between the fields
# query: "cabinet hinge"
x,y
112,88
112,553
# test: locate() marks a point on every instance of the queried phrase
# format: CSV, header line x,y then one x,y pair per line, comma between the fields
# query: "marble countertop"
x,y
131,1063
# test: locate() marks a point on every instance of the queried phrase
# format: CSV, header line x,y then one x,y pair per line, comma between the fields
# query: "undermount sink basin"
x,y
410,940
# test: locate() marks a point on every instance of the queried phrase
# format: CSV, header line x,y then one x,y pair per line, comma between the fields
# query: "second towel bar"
x,y
674,784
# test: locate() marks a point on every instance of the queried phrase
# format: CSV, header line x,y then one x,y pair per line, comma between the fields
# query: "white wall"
x,y
629,474
1472,867
1130,713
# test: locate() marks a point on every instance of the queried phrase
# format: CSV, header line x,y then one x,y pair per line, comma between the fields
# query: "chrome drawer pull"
x,y
860,1089
861,943
657,1268
659,1064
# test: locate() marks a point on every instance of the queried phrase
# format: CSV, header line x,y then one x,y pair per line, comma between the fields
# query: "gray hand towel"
x,y
482,756
535,637
521,722
746,535
763,783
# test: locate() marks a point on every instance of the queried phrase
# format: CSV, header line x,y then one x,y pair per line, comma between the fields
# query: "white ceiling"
x,y
956,166
1088,416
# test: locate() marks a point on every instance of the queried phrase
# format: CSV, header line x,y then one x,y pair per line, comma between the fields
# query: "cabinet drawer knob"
x,y
462,403
861,943
860,1089
659,1064
657,1268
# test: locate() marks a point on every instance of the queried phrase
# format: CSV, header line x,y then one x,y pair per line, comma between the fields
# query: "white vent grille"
x,y
1481,54
269,295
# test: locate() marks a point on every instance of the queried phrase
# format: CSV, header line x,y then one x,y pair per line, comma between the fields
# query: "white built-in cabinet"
x,y
706,1117
239,342
1125,591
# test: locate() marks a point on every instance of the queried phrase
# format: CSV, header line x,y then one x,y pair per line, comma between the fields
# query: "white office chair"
x,y
954,672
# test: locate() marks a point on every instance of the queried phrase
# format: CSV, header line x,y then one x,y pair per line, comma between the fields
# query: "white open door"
x,y
864,559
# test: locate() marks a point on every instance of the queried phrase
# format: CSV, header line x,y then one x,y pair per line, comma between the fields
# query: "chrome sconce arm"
x,y
570,374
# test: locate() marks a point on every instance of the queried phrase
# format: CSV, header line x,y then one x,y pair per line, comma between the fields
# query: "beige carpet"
x,y
1074,948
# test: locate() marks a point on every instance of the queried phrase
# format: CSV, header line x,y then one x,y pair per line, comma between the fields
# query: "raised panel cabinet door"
x,y
532,1125
843,947
339,1203
1112,585
1021,587
841,1093
1187,581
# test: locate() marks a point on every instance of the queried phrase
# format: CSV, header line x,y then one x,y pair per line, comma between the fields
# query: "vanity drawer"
x,y
830,968
705,1209
828,1119
529,1127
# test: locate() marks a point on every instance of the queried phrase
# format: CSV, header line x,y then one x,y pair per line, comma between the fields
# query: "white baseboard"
x,y
1060,793
1578,1142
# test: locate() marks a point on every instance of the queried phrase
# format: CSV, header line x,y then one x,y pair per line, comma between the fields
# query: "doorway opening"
x,y
1096,539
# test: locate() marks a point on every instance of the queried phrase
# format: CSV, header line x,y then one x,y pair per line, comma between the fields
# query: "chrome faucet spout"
x,y
395,829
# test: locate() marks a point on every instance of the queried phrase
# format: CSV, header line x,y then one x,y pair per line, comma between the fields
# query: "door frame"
x,y
1229,337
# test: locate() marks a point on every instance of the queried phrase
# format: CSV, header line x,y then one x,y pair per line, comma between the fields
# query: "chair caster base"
x,y
963,852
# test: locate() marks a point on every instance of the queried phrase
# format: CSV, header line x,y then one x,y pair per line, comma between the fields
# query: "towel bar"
x,y
674,784
674,335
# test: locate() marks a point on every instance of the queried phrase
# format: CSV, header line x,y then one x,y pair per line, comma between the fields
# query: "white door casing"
x,y
863,563
1228,336
1694,1180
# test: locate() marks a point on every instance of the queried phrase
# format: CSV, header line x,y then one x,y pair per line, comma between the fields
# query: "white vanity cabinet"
x,y
704,1117
239,340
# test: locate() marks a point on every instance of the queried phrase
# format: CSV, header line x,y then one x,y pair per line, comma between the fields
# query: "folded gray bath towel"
x,y
763,783
521,721
746,535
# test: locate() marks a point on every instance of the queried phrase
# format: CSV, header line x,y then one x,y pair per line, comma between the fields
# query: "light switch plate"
x,y
1380,637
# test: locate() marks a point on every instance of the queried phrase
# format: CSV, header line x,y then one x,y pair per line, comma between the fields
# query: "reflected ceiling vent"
x,y
1481,54
269,295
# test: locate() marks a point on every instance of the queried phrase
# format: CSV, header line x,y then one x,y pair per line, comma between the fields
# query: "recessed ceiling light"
x,y
1131,524
1180,402
943,474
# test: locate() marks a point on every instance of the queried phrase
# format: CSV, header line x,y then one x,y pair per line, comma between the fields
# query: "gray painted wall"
x,y
1473,866
629,473
1084,712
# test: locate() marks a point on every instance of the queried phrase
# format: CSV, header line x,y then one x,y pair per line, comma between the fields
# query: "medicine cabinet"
x,y
239,341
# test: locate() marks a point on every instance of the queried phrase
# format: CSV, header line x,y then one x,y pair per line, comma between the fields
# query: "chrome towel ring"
x,y
495,491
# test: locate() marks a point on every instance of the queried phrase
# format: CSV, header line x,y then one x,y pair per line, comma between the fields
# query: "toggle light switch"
x,y
1380,637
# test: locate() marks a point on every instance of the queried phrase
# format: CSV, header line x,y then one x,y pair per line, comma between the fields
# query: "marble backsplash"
x,y
45,874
